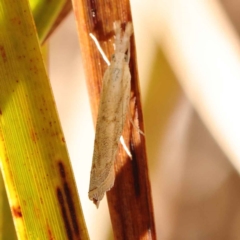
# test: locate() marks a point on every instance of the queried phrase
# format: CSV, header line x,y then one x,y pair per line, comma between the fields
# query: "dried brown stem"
x,y
129,201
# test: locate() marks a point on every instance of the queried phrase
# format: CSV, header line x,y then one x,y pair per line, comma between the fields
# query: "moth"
x,y
112,112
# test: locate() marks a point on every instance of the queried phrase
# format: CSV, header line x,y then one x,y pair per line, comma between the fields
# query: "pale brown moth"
x,y
112,112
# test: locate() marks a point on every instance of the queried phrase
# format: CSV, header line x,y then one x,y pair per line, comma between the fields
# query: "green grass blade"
x,y
7,230
45,14
33,155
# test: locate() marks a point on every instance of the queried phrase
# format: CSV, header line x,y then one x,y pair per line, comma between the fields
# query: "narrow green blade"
x,y
33,155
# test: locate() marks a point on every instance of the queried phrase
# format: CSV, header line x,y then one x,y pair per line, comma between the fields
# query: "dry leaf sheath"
x,y
113,109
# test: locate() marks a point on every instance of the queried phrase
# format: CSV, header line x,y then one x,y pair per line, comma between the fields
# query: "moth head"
x,y
119,57
122,38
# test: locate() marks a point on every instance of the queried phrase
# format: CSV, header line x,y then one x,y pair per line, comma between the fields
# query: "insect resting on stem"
x,y
113,109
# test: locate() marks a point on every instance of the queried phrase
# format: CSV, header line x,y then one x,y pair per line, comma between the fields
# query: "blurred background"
x,y
189,67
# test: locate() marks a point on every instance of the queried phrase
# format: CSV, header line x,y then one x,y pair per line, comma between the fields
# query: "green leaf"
x,y
33,155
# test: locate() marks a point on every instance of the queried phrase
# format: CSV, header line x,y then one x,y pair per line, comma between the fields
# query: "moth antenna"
x,y
100,49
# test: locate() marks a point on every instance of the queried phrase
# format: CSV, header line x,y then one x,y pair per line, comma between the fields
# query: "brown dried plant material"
x,y
129,201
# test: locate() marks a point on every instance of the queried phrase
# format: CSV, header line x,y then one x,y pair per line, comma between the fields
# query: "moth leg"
x,y
117,28
134,125
125,147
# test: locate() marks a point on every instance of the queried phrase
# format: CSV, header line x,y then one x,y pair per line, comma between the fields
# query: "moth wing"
x,y
113,108
96,194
